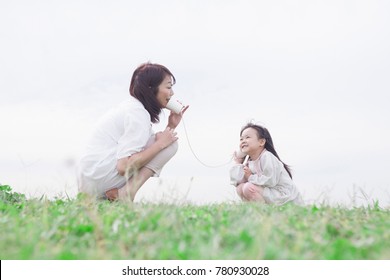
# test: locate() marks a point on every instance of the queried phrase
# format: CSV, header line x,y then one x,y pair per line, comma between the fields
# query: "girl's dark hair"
x,y
263,133
144,86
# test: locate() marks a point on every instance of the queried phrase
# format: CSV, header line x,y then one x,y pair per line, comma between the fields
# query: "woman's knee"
x,y
168,153
172,149
158,162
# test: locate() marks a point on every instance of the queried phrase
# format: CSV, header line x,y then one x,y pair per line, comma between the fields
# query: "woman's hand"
x,y
174,118
166,137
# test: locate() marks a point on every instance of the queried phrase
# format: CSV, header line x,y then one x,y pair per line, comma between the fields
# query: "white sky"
x,y
316,73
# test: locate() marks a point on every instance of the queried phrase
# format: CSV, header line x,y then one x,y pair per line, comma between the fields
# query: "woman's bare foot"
x,y
112,195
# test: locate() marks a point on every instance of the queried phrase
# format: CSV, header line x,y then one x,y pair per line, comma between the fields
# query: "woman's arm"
x,y
174,119
138,160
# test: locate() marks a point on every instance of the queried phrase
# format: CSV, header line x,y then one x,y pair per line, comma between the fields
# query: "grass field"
x,y
81,228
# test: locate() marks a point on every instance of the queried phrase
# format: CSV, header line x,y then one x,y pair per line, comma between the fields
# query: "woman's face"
x,y
165,91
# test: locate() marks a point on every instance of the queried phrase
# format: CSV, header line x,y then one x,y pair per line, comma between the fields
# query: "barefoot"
x,y
112,195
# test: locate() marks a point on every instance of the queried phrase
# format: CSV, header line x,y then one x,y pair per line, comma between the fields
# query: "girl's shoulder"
x,y
269,160
268,156
264,157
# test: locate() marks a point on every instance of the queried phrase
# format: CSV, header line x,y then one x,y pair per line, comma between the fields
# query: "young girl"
x,y
264,178
124,152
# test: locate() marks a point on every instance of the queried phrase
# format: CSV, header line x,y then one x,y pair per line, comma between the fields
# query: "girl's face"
x,y
165,91
250,144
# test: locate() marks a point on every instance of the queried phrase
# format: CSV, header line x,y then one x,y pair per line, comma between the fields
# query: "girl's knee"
x,y
252,192
239,190
249,188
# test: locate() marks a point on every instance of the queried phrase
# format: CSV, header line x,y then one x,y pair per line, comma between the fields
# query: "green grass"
x,y
84,229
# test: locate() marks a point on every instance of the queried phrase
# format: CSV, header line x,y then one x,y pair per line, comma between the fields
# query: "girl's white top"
x,y
268,172
121,132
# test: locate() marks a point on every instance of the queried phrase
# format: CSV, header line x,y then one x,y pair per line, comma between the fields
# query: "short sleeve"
x,y
137,131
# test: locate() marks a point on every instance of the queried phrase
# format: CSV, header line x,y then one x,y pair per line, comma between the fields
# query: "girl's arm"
x,y
237,171
272,169
237,174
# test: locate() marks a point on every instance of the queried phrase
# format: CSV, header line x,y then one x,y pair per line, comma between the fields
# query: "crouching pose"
x,y
124,152
264,177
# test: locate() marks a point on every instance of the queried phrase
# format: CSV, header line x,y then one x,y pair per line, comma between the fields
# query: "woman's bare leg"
x,y
136,178
135,182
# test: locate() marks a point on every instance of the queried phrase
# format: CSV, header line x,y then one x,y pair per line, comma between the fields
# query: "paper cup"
x,y
239,154
175,105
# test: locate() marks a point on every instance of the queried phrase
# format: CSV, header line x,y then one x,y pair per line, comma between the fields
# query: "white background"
x,y
316,73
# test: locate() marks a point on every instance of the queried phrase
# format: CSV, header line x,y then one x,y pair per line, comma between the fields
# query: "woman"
x,y
123,152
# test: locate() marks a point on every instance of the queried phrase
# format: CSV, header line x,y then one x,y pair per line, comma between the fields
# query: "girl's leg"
x,y
240,192
252,192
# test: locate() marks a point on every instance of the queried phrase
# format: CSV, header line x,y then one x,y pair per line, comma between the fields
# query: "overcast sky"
x,y
315,73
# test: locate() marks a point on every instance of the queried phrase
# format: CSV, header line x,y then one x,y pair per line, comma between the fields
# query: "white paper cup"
x,y
239,154
175,105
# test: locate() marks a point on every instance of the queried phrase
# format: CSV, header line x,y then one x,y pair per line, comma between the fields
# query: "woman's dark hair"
x,y
144,86
263,133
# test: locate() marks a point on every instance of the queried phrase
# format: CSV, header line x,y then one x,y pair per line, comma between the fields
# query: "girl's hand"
x,y
247,172
174,119
166,137
238,157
